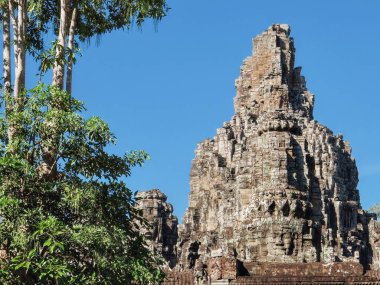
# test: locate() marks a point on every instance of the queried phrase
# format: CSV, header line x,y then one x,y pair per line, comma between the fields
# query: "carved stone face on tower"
x,y
273,185
161,233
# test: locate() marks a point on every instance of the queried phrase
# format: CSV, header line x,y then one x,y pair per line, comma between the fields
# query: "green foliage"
x,y
80,227
94,18
99,17
375,209
47,58
66,214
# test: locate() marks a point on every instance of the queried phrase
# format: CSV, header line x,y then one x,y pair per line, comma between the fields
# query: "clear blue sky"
x,y
164,91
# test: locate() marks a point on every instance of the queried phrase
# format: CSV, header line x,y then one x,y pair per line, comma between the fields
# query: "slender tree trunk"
x,y
14,19
20,55
10,105
59,65
70,46
7,69
7,60
48,168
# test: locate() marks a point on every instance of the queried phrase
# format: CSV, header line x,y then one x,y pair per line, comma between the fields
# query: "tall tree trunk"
x,y
48,168
14,19
70,46
12,104
20,55
7,60
59,65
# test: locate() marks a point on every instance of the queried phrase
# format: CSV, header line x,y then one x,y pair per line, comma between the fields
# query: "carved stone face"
x,y
162,234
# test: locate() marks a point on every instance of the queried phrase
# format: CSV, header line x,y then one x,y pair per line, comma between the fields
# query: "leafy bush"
x,y
75,224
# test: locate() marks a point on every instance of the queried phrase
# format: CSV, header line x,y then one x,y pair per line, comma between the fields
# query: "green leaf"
x,y
47,242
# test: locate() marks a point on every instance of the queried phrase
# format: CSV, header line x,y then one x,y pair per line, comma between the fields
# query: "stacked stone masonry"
x,y
161,232
274,186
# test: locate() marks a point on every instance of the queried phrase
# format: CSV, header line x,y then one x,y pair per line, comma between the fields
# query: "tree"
x,y
80,227
73,22
375,209
67,217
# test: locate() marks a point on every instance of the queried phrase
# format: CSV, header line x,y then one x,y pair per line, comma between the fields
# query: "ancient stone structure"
x,y
274,185
374,238
306,273
274,196
161,232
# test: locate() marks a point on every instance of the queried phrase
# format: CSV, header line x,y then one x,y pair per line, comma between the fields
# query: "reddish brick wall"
x,y
342,269
221,268
347,273
178,278
314,280
342,273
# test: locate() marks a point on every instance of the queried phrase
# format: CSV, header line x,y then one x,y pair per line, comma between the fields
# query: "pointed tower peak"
x,y
268,81
280,29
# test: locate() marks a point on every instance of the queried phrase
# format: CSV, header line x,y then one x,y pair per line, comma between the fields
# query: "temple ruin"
x,y
273,196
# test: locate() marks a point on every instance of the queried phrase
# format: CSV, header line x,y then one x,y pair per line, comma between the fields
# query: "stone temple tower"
x,y
273,185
